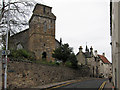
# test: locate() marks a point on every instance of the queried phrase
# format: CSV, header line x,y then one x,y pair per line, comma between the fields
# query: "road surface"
x,y
93,84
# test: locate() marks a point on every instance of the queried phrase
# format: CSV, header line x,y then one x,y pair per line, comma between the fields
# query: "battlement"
x,y
43,11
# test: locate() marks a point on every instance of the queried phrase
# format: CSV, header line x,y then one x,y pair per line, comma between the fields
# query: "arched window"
x,y
45,26
44,10
44,55
19,46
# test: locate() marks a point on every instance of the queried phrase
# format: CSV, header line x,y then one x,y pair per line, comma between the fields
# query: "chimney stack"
x,y
104,54
60,41
95,53
91,49
80,49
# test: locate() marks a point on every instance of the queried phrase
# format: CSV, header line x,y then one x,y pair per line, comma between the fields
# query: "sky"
x,y
81,22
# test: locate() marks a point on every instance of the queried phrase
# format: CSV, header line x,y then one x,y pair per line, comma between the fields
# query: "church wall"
x,y
20,38
40,44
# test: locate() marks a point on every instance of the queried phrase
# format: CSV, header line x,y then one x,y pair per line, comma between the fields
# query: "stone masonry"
x,y
28,75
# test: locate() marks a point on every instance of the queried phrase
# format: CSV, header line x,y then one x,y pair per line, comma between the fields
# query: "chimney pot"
x,y
80,49
104,54
95,53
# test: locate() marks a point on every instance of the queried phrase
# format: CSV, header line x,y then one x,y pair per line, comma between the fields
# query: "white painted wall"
x,y
116,43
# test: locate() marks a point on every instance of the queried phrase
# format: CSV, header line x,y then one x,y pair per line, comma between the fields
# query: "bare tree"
x,y
19,15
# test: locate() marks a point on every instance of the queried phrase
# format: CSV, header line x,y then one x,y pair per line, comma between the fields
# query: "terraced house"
x,y
104,66
98,64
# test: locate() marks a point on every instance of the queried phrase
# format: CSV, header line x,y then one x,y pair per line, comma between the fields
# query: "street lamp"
x,y
7,31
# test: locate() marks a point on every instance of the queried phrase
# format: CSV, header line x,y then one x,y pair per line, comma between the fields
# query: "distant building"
x,y
81,57
98,64
104,66
40,37
87,58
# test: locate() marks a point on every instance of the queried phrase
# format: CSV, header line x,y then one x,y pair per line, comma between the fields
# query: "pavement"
x,y
109,85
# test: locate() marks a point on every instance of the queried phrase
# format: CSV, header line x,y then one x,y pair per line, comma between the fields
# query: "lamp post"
x,y
8,28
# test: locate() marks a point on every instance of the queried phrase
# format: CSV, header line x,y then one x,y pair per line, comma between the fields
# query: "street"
x,y
88,84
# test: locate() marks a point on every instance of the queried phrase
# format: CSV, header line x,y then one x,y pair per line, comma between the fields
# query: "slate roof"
x,y
104,59
21,32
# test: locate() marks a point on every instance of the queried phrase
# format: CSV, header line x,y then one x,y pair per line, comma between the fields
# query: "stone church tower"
x,y
42,32
40,37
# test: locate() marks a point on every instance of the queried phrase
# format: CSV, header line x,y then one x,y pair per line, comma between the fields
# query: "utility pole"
x,y
8,28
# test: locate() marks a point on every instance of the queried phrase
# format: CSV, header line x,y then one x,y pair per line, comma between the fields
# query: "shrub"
x,y
21,54
65,53
68,64
46,62
62,53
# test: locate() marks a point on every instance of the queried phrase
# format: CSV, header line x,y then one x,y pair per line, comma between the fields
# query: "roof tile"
x,y
104,59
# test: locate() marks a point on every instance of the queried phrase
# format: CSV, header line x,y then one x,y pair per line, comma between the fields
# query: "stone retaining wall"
x,y
26,75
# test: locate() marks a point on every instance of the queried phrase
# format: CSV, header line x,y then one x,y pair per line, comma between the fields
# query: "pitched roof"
x,y
57,41
82,53
51,15
104,59
20,32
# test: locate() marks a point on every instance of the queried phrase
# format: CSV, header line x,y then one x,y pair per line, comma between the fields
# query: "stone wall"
x,y
24,74
19,38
